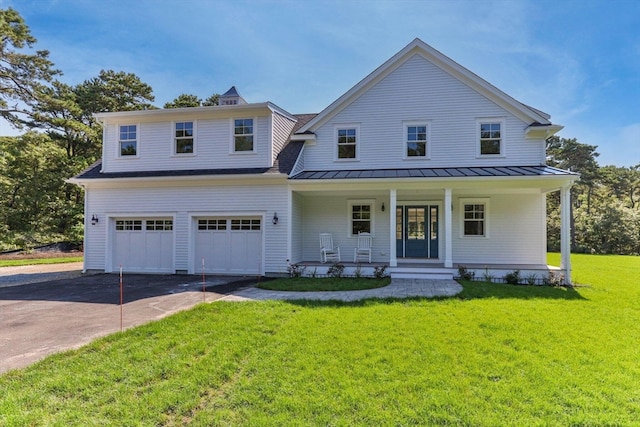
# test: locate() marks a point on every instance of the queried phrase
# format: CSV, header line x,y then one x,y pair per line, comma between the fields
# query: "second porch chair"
x,y
327,251
363,250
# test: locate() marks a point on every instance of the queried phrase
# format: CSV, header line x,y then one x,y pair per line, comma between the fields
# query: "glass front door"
x,y
417,231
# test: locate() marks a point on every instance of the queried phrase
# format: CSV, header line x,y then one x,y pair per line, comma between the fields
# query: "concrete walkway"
x,y
399,288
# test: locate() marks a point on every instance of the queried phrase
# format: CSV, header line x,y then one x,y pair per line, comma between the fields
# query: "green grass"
x,y
35,261
495,355
308,284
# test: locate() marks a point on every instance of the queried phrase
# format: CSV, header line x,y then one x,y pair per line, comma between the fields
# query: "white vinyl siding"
x,y
183,203
156,147
516,235
418,89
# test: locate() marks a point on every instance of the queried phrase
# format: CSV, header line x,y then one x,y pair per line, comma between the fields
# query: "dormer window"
x,y
243,134
128,140
184,135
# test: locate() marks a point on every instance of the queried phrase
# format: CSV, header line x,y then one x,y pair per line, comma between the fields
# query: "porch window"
x,y
474,217
360,217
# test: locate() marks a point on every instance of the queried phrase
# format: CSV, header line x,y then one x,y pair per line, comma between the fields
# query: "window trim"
x,y
361,202
232,144
174,138
491,120
405,139
119,141
346,126
475,201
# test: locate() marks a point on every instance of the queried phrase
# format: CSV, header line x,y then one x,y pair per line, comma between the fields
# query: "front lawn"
x,y
495,355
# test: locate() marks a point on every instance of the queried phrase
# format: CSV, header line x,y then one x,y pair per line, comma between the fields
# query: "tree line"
x,y
61,138
605,202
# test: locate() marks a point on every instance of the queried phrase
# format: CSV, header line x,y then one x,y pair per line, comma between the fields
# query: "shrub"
x,y
531,279
336,270
464,274
295,270
358,272
554,279
380,271
512,278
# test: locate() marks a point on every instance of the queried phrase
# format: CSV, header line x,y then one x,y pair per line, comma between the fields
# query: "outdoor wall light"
x,y
275,218
94,219
382,207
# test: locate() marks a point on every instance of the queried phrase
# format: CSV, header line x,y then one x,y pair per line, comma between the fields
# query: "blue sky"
x,y
576,60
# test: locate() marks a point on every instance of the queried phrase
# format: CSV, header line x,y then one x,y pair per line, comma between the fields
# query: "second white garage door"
x,y
228,245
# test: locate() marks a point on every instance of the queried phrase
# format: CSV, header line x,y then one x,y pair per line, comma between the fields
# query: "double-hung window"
x,y
491,137
475,217
347,142
184,137
416,139
361,214
243,135
128,140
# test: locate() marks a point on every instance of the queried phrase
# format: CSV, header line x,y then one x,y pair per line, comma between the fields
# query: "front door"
x,y
417,231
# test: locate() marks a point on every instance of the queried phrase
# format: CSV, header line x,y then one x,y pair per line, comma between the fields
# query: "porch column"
x,y
393,261
565,232
448,250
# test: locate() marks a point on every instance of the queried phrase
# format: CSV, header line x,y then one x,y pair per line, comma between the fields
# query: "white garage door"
x,y
228,245
143,245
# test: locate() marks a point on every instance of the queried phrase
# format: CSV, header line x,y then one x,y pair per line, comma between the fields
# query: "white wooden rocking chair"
x,y
363,250
327,251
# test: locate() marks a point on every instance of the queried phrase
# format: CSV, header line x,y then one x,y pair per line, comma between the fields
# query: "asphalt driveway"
x,y
39,319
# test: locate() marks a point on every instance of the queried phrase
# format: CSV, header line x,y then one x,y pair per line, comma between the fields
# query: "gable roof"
x,y
418,47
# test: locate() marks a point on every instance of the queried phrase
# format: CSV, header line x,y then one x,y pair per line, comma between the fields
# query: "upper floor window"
x,y
347,139
128,140
491,137
184,137
243,135
416,140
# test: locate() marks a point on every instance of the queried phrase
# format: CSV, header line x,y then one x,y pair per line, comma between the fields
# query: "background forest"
x,y
61,138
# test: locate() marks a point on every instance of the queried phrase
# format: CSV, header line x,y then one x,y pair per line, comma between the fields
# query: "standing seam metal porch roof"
x,y
457,172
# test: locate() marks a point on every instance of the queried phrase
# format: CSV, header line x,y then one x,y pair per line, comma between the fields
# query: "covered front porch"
x,y
429,229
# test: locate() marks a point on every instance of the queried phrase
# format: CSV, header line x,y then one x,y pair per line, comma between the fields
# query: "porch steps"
x,y
421,273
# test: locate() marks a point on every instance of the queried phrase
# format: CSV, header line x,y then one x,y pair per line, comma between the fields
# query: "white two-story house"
x,y
442,168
